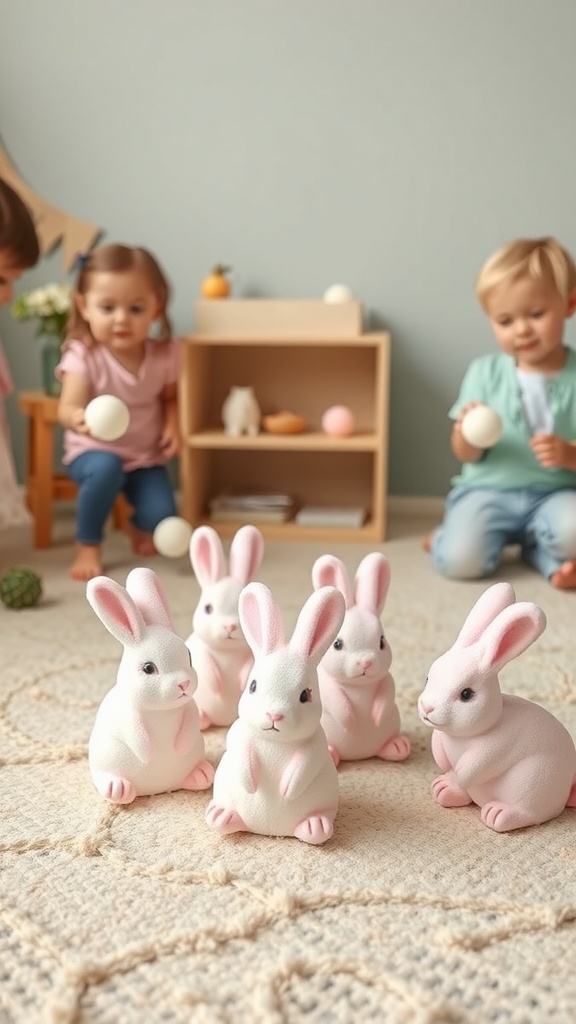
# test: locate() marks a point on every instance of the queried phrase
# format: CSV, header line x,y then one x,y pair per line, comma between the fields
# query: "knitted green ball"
x,y
20,588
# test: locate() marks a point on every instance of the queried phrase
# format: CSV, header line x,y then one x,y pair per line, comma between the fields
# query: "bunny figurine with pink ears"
x,y
360,716
146,737
509,756
276,777
220,654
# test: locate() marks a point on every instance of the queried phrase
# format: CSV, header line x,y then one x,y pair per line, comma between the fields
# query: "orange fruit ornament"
x,y
216,285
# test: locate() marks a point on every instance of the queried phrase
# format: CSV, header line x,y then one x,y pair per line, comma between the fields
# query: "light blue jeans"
x,y
101,478
479,523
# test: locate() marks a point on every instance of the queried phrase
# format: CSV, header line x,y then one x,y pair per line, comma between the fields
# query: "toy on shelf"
x,y
241,412
482,426
219,652
509,756
107,417
360,716
338,293
284,422
146,737
216,285
172,537
276,777
20,588
338,421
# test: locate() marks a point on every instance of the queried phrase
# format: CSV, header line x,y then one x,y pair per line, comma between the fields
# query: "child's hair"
x,y
116,259
539,258
18,238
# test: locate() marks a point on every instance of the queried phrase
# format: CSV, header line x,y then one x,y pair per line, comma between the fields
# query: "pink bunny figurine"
x,y
276,777
220,654
360,716
508,755
146,737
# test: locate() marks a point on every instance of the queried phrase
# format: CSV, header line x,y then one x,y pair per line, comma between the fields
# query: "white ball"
x,y
482,426
107,417
172,537
338,293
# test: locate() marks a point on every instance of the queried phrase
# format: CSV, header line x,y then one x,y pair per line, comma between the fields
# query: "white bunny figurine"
x,y
359,712
276,776
220,654
146,737
509,756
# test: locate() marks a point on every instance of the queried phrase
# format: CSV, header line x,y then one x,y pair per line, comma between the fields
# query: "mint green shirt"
x,y
510,463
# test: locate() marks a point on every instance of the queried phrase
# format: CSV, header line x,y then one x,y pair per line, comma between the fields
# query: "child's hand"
x,y
77,422
552,451
169,441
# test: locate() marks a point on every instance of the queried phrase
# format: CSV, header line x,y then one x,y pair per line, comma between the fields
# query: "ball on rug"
x,y
20,588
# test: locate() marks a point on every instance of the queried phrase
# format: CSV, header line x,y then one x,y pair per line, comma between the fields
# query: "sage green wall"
x,y
388,144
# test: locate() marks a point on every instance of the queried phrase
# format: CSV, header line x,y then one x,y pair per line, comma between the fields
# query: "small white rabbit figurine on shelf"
x,y
509,756
241,412
220,654
146,737
359,712
276,776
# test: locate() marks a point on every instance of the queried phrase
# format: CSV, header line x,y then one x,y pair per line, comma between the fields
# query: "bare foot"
x,y
565,577
87,562
142,543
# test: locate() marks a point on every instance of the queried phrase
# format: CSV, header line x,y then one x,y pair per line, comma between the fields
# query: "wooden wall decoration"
x,y
52,225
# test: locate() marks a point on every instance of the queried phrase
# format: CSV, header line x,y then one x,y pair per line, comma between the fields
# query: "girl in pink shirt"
x,y
120,292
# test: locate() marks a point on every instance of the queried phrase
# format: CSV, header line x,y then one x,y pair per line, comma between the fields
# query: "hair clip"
x,y
81,260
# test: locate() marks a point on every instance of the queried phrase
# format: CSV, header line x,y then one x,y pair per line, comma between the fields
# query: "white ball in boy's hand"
x,y
172,537
107,417
482,427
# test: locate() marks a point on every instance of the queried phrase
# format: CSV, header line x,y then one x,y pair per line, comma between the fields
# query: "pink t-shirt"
x,y
141,391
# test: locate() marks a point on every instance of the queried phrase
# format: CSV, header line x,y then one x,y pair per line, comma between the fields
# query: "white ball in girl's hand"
x,y
172,537
338,293
107,417
482,426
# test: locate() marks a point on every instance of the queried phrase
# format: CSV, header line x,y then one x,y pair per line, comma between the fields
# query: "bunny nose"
x,y
230,628
184,686
426,708
274,718
365,663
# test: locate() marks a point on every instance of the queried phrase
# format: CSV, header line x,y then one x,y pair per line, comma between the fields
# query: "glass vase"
x,y
50,357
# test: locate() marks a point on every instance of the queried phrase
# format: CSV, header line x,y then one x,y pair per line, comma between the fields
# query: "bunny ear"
x,y
207,555
246,552
329,571
149,596
515,628
318,623
260,619
488,606
372,582
116,609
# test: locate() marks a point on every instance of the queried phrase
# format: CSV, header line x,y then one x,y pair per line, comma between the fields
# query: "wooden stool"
x,y
43,485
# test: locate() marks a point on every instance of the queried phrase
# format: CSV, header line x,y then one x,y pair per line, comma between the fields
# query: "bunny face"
x,y
215,618
468,705
360,652
157,674
281,699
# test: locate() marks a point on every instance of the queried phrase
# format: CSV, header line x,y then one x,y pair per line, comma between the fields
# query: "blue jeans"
x,y
478,524
101,478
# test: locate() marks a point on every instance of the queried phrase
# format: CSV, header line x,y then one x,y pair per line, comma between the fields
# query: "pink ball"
x,y
339,421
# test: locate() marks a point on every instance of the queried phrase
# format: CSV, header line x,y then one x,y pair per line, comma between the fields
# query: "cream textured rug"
x,y
411,913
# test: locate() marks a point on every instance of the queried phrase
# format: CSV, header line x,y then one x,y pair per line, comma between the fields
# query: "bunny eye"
x,y
252,687
466,694
149,668
337,645
305,696
208,608
382,642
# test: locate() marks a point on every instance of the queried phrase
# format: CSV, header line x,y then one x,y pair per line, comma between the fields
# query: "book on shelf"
x,y
254,516
246,508
327,515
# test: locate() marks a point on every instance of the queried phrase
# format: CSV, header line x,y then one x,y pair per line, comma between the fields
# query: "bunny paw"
x,y
397,749
448,794
315,830
223,821
503,817
114,788
201,778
